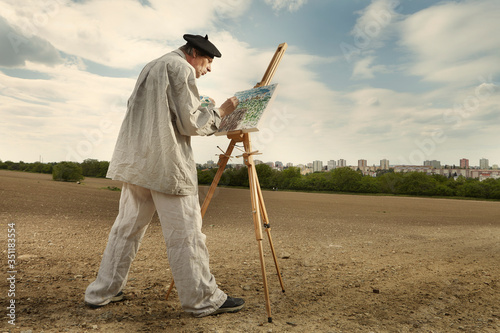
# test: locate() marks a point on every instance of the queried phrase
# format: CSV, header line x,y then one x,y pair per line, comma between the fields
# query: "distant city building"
x,y
482,174
384,164
317,166
331,165
362,164
413,168
430,167
434,164
464,163
484,163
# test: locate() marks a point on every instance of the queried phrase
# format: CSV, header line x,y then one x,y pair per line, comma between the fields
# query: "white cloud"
x,y
73,110
73,103
129,35
374,25
454,42
15,48
290,5
364,68
77,112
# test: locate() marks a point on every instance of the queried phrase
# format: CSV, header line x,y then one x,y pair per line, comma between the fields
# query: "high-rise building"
x,y
317,166
341,163
331,165
434,164
384,164
464,163
278,165
484,163
362,164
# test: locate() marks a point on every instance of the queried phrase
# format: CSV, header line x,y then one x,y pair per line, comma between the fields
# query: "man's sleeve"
x,y
191,117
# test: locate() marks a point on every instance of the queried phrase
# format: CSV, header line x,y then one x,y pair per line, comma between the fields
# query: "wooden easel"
x,y
258,206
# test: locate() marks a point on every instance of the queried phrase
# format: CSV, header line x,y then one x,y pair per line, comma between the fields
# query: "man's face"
x,y
202,65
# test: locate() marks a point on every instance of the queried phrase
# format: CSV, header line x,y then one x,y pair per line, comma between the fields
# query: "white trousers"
x,y
181,222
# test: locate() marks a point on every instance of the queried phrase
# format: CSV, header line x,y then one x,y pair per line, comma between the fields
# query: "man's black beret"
x,y
203,44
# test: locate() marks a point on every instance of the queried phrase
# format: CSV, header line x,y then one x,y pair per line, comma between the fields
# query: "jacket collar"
x,y
180,53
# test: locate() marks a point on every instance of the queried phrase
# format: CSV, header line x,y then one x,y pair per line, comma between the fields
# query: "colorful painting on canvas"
x,y
252,105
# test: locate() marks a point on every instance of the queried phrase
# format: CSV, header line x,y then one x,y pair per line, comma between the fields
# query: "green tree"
x,y
266,174
418,183
315,181
495,188
206,176
94,168
67,171
491,188
290,178
36,167
369,184
346,180
239,177
390,182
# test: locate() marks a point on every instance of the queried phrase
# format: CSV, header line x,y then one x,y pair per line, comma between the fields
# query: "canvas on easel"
x,y
252,104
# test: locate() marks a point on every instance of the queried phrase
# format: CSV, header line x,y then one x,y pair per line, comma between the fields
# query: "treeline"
x,y
68,171
348,180
338,180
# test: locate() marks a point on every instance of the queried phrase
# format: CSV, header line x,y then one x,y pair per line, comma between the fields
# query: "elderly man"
x,y
154,160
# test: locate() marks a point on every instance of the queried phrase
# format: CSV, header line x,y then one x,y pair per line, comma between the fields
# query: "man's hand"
x,y
228,106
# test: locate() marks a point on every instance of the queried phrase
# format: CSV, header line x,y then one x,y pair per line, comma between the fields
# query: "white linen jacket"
x,y
153,149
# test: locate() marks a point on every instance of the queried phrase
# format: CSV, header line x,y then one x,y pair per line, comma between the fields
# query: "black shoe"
x,y
118,297
231,305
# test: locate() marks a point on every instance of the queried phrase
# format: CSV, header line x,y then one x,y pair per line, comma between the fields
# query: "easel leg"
x,y
268,231
223,159
256,211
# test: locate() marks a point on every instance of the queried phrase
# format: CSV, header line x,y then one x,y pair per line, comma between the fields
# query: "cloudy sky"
x,y
402,80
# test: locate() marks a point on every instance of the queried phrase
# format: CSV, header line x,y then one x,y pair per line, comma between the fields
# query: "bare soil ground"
x,y
349,263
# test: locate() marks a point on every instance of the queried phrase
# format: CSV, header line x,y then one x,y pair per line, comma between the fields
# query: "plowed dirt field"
x,y
350,263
